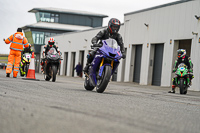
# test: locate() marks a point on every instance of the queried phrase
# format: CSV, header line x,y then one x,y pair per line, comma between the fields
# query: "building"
x,y
154,35
53,21
151,37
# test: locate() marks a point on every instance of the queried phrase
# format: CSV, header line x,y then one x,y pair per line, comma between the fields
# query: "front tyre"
x,y
87,85
103,81
54,70
26,69
182,86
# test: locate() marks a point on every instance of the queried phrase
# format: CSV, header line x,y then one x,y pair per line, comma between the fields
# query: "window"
x,y
45,17
37,16
54,18
38,37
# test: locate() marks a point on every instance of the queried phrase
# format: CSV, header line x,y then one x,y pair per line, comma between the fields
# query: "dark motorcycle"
x,y
52,64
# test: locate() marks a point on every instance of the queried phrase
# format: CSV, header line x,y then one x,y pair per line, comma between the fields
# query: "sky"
x,y
14,13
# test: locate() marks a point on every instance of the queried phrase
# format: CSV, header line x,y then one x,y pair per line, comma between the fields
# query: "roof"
x,y
66,33
67,11
57,26
160,6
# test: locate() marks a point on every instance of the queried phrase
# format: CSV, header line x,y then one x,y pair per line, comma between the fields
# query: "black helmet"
x,y
181,53
113,25
27,49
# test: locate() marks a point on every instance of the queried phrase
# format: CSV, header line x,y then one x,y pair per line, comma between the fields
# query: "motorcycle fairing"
x,y
106,50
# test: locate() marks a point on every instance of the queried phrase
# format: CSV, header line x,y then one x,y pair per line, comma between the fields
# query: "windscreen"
x,y
27,55
111,43
182,65
52,51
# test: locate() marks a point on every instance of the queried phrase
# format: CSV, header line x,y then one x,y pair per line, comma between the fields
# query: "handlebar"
x,y
96,46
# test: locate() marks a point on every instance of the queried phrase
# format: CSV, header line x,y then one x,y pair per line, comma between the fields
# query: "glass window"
x,y
38,37
37,16
47,34
44,17
54,18
52,34
47,17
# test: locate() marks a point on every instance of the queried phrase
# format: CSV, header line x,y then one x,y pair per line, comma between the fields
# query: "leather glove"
x,y
123,55
174,71
191,70
4,39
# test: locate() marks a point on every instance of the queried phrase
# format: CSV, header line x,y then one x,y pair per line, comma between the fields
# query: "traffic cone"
x,y
31,70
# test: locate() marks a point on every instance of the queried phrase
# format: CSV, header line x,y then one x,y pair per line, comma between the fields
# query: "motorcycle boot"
x,y
173,89
42,65
22,71
90,57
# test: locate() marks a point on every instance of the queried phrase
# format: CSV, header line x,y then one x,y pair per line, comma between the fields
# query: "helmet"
x,y
113,25
181,53
27,49
51,41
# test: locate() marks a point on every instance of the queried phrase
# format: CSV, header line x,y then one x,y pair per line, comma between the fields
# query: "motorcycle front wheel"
x,y
54,70
104,79
26,69
182,86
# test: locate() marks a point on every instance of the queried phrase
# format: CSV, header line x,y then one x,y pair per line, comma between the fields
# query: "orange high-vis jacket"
x,y
17,41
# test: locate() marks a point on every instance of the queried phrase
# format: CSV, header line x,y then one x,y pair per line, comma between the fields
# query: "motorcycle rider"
x,y
182,58
110,32
51,44
25,50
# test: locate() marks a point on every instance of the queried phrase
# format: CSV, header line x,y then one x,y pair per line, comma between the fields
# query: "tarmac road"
x,y
64,106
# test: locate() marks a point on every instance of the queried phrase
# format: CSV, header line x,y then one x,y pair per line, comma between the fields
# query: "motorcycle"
x,y
27,59
103,66
181,78
51,65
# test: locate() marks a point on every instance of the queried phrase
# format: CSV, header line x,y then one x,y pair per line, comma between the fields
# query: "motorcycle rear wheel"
x,y
103,81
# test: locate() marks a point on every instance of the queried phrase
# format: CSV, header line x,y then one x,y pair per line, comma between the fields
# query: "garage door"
x,y
157,67
137,64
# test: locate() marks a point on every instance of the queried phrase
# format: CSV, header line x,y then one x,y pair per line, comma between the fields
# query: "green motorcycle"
x,y
181,78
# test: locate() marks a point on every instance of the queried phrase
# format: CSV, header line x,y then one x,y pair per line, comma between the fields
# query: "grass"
x,y
3,58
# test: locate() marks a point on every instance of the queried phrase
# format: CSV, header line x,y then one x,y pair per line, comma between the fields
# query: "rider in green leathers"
x,y
182,58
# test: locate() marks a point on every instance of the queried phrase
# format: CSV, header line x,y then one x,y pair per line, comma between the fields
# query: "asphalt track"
x,y
64,106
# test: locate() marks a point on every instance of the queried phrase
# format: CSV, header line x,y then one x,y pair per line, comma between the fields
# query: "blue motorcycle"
x,y
103,66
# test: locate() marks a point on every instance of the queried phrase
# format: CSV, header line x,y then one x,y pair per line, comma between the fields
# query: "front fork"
x,y
102,61
177,83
